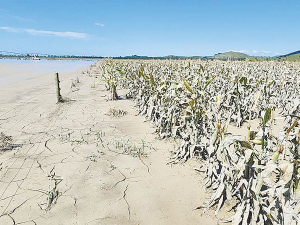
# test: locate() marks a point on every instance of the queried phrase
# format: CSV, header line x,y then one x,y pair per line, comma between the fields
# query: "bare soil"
x,y
80,164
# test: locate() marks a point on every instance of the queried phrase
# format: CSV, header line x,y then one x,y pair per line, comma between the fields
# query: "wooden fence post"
x,y
59,98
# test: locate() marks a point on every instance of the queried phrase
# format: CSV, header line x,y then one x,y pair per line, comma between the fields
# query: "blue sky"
x,y
153,28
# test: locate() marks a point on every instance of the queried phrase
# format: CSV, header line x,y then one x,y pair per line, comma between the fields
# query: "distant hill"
x,y
6,54
293,56
231,55
158,57
220,56
293,53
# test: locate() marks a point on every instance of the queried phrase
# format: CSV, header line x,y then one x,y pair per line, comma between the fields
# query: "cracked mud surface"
x,y
78,165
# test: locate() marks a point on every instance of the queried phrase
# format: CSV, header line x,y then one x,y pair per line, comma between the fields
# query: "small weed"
x,y
99,135
116,112
130,148
74,85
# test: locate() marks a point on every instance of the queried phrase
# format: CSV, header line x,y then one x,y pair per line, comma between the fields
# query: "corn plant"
x,y
196,101
112,74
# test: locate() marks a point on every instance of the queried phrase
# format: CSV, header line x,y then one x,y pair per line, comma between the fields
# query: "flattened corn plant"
x,y
196,101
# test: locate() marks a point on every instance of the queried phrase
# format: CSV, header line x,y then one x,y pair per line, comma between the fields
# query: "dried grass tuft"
x,y
6,143
116,112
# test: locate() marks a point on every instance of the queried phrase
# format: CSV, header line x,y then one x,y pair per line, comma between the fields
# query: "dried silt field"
x,y
132,140
204,104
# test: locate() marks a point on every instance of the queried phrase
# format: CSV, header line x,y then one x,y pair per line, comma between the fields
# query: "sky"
x,y
150,27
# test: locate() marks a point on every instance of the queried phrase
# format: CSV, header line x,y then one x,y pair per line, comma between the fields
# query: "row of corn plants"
x,y
196,101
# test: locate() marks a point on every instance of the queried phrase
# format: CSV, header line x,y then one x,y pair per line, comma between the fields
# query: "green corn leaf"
x,y
267,116
152,80
186,84
202,68
141,73
243,80
192,102
245,144
209,81
289,130
272,82
248,87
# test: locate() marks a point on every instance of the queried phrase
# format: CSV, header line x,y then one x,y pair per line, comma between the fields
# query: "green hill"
x,y
231,55
294,56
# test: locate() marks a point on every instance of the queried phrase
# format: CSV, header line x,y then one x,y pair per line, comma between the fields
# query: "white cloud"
x,y
20,18
264,53
99,24
67,34
10,29
241,51
59,34
16,17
